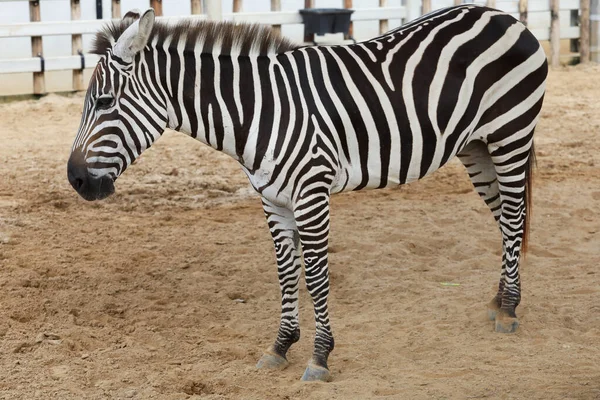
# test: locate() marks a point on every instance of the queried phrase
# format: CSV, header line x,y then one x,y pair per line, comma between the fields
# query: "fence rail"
x,y
80,27
271,18
34,64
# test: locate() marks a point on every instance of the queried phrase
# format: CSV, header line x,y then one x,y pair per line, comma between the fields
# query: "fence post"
x,y
237,6
490,3
584,31
523,11
595,31
276,6
457,2
554,33
309,38
383,23
39,85
76,45
157,5
116,9
347,5
99,10
214,10
196,7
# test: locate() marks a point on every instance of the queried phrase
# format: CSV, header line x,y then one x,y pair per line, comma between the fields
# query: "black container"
x,y
326,20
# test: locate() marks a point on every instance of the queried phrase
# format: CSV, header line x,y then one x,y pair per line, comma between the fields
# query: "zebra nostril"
x,y
77,183
77,172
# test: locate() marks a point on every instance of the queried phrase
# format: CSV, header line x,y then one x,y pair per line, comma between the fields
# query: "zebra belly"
x,y
351,176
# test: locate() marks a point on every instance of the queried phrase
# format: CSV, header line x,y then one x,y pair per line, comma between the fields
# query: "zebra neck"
x,y
219,100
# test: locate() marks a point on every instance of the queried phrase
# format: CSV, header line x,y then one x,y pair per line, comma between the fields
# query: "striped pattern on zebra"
x,y
307,122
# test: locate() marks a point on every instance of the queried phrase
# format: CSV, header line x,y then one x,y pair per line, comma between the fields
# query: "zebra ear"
x,y
134,15
135,38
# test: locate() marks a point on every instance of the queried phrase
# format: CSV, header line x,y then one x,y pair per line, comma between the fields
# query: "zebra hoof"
x,y
315,373
492,309
272,361
506,324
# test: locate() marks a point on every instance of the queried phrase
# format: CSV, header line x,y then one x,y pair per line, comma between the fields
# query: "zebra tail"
x,y
531,163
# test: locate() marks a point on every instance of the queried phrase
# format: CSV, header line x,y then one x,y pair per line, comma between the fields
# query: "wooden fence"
x,y
580,24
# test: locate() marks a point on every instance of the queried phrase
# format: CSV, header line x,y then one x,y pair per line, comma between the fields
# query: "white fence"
x,y
85,27
538,23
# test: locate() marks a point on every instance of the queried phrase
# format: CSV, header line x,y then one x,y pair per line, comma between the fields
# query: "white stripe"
x,y
197,83
185,119
237,88
268,162
250,149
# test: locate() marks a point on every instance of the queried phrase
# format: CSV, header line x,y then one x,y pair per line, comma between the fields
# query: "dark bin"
x,y
326,20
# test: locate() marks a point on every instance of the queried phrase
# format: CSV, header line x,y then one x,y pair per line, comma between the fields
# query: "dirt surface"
x,y
138,296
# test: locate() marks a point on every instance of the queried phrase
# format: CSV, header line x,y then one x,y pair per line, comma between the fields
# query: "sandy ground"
x,y
136,296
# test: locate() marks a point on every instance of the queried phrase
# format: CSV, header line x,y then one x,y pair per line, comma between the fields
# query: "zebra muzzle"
x,y
89,187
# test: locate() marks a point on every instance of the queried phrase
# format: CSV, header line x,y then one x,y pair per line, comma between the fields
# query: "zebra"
x,y
308,122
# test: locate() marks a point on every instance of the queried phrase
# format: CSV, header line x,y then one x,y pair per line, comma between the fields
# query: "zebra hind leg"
x,y
513,159
287,249
478,162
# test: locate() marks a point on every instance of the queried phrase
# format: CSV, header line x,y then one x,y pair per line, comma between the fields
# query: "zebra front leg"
x,y
312,219
287,249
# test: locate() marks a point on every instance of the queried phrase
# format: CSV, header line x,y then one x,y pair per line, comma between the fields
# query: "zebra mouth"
x,y
94,188
98,188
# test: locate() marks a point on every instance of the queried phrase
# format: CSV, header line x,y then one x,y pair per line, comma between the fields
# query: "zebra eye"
x,y
102,103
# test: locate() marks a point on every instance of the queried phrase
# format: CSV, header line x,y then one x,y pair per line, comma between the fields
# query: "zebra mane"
x,y
226,38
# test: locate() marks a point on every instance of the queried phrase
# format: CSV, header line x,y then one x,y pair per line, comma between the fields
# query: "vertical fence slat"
x,y
348,4
490,3
384,25
523,6
310,38
426,4
554,33
157,5
76,45
276,6
584,31
39,85
237,6
116,9
595,31
413,10
196,7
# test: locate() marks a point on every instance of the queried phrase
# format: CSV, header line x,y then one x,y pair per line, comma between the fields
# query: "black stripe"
x,y
265,125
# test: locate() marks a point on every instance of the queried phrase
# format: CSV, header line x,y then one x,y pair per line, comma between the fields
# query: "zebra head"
x,y
121,118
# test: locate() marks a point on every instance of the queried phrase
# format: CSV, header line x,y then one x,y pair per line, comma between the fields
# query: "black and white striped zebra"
x,y
307,122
